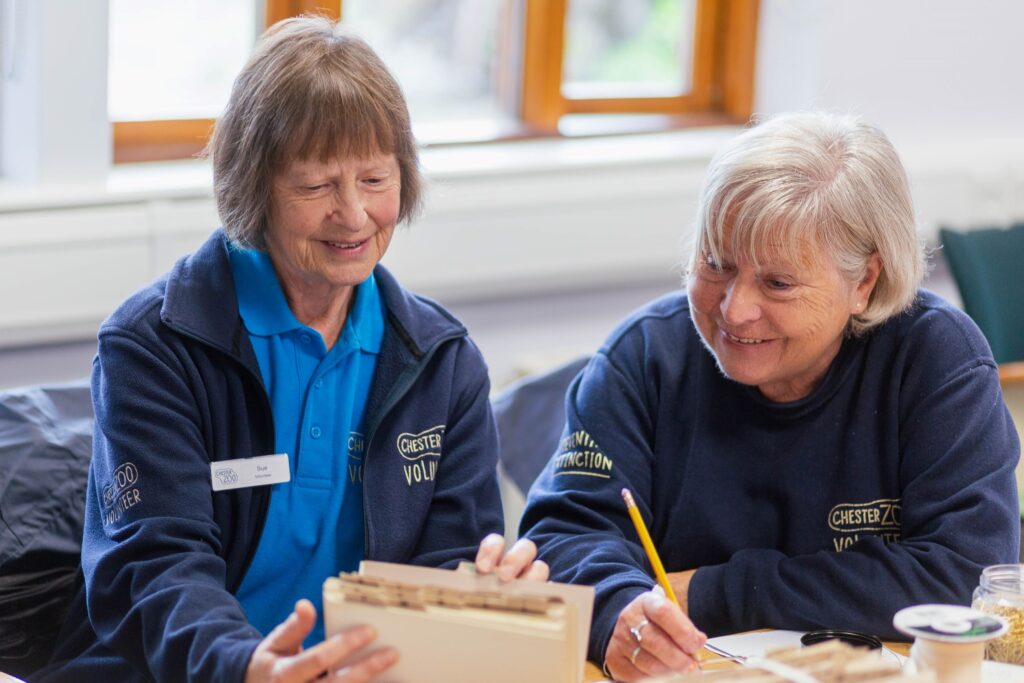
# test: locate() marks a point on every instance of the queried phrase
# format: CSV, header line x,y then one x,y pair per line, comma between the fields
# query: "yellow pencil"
x,y
645,539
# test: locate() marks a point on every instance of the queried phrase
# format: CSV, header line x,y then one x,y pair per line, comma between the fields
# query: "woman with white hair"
x,y
813,441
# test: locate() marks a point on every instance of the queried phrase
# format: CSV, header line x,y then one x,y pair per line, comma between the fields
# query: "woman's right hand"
x,y
279,658
518,563
652,637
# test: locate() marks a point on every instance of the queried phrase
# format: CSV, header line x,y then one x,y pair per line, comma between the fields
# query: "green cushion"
x,y
988,266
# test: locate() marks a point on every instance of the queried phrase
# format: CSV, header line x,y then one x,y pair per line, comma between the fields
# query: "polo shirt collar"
x,y
265,310
366,317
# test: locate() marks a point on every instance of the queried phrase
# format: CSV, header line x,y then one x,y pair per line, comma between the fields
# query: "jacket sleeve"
x,y
466,503
155,581
575,512
958,449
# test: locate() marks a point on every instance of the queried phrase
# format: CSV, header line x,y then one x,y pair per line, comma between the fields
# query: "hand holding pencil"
x,y
652,636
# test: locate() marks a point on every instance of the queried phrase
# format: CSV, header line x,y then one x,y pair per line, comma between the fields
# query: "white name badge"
x,y
241,473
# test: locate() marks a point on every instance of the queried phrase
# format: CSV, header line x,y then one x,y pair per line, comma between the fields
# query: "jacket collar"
x,y
419,321
201,302
200,299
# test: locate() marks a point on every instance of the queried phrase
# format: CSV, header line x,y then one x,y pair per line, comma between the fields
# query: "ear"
x,y
862,292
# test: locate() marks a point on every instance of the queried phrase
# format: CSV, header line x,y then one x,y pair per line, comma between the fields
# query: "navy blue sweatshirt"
x,y
176,385
891,484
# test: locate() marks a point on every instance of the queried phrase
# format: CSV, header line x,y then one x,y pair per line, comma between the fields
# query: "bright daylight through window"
x,y
472,70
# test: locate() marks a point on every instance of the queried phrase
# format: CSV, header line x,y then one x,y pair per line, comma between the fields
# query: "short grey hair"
x,y
822,179
309,90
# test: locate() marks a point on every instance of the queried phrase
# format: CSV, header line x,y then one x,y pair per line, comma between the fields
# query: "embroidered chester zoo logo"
x,y
122,493
422,450
356,447
877,518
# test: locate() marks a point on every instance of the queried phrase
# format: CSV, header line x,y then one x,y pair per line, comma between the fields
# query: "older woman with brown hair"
x,y
813,441
278,408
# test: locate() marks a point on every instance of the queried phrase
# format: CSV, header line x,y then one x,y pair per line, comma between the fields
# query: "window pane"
x,y
448,56
176,59
628,48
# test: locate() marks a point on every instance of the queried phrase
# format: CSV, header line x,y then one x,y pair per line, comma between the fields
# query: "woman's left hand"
x,y
518,563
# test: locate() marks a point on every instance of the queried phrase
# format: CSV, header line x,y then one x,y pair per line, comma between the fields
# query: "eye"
x,y
708,261
378,180
779,284
711,269
313,188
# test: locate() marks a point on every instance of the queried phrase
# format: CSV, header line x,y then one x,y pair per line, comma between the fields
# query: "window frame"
x,y
722,89
722,81
162,140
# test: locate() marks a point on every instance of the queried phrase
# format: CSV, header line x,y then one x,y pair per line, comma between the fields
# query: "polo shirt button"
x,y
305,338
319,383
315,432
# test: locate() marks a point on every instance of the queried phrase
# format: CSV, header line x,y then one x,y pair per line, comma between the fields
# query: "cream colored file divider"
x,y
456,626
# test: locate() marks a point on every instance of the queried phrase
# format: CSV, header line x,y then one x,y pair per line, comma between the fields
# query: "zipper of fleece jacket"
x,y
261,518
396,395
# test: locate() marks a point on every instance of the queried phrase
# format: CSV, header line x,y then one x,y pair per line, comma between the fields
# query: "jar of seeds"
x,y
1001,592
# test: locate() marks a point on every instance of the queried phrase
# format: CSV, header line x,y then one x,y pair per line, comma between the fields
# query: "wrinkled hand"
x,y
666,640
518,563
279,658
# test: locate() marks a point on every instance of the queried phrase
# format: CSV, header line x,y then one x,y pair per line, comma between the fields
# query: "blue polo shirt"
x,y
314,526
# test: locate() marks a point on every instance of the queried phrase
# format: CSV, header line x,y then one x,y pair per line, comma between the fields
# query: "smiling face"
x,y
330,223
776,326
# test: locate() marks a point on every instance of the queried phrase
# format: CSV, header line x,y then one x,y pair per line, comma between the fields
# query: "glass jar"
x,y
1001,592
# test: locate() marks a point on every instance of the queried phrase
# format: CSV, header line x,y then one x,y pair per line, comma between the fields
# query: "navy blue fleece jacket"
x,y
176,386
891,484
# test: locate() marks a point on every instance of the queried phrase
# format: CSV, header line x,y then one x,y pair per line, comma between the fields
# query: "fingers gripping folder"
x,y
451,626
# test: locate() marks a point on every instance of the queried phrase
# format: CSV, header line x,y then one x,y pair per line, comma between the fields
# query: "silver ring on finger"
x,y
635,631
633,654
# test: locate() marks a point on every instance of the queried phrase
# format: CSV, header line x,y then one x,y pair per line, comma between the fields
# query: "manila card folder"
x,y
458,626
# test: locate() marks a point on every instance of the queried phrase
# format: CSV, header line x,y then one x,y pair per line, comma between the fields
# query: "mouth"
x,y
746,341
345,246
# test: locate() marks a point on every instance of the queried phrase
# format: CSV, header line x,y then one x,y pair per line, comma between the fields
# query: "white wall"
x,y
53,109
520,219
511,228
943,78
921,69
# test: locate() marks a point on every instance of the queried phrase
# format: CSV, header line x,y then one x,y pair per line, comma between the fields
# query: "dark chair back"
x,y
988,266
45,449
530,416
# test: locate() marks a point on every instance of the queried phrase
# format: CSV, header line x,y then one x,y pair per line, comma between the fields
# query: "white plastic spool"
x,y
949,640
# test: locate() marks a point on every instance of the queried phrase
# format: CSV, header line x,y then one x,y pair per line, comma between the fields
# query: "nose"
x,y
349,208
741,302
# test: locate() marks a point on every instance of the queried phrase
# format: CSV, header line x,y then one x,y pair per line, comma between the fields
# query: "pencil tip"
x,y
627,496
